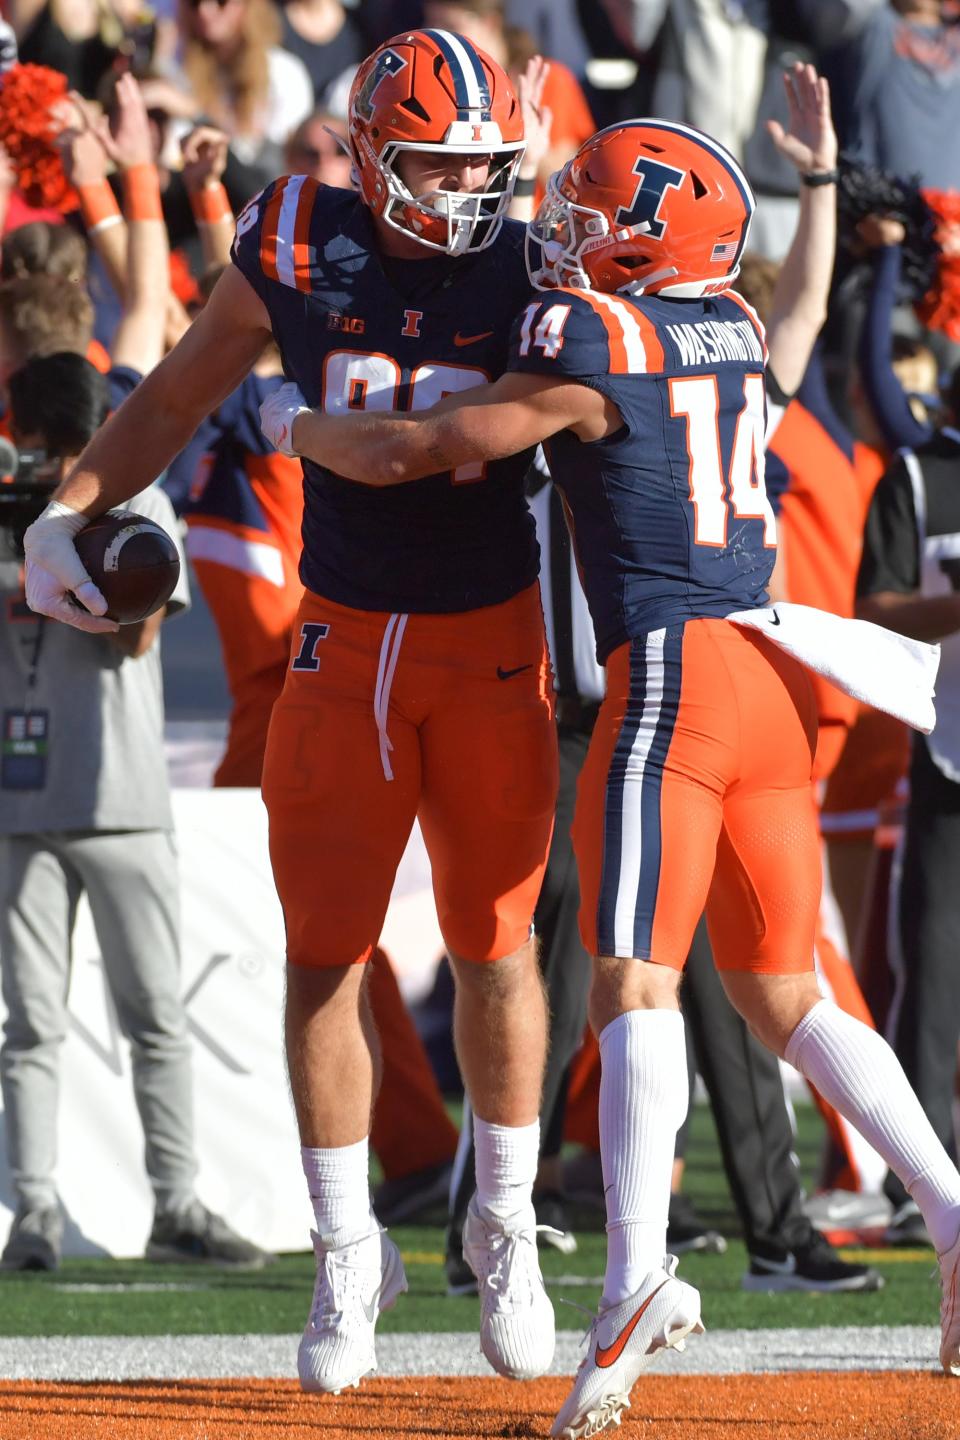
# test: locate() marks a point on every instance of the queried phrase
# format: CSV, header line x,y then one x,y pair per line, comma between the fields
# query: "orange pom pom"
x,y
940,307
28,130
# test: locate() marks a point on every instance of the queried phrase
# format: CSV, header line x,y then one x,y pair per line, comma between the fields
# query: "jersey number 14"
x,y
743,490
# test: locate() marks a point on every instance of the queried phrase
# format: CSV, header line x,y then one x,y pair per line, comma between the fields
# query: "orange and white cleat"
x,y
623,1340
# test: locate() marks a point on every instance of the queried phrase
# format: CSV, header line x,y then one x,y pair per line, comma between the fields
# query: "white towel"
x,y
884,669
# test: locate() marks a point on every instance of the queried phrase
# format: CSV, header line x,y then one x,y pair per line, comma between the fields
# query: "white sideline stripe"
x,y
204,542
720,1352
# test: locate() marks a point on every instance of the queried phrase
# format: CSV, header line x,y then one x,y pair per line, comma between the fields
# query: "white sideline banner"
x,y
233,967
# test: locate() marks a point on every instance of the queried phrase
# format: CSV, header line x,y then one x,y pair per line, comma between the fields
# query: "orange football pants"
x,y
387,717
253,618
696,795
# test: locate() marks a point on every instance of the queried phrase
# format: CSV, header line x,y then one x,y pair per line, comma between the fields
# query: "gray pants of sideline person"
x,y
130,879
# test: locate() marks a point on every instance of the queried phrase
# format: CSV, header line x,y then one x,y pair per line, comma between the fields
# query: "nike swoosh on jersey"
x,y
609,1354
459,339
776,619
507,674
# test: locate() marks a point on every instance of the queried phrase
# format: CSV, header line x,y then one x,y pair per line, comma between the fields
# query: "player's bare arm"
x,y
921,617
486,423
799,305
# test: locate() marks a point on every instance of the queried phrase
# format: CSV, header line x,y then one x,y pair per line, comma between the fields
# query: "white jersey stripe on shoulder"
x,y
286,230
632,337
631,843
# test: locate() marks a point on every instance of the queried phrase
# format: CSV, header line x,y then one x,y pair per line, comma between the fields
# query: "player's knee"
x,y
312,989
621,984
504,977
772,1005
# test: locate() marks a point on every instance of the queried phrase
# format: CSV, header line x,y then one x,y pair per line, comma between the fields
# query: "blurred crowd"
x,y
234,92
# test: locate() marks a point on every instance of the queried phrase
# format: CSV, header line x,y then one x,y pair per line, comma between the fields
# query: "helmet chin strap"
x,y
638,287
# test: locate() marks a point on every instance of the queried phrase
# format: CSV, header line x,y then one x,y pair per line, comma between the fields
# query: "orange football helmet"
x,y
434,90
648,206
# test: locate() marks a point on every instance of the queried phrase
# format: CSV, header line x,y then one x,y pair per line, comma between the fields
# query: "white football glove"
x,y
277,414
54,569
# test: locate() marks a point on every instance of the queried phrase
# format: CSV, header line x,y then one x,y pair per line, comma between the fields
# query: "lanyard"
x,y
35,662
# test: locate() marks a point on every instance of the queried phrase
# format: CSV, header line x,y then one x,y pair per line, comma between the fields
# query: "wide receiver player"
x,y
418,680
646,371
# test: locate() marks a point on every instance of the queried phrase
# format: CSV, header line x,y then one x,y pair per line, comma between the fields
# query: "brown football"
x,y
132,561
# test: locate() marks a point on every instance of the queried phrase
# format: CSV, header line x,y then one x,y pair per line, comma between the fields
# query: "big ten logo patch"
x,y
310,637
346,324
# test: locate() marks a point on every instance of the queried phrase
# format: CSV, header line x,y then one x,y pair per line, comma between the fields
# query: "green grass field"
x,y
131,1297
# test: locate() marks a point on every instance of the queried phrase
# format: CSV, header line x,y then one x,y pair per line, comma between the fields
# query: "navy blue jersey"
x,y
359,331
210,476
669,514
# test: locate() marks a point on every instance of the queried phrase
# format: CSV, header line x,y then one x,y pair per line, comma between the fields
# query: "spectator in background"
x,y
482,21
909,581
56,252
90,811
42,315
327,38
711,66
170,111
83,39
313,149
241,79
39,248
898,79
557,29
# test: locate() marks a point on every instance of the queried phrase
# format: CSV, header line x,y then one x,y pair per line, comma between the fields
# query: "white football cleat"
x,y
356,1281
950,1308
622,1342
517,1328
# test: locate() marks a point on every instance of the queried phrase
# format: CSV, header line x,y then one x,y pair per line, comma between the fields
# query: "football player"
x,y
645,370
418,681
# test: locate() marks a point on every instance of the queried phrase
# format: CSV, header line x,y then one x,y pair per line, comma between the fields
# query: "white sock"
x,y
339,1189
643,1100
855,1069
507,1158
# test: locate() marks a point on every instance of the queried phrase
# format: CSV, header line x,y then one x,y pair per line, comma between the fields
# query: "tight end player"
x,y
645,371
418,682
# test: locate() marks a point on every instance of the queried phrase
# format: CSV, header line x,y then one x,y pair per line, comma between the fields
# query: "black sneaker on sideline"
x,y
550,1209
907,1227
460,1278
687,1232
411,1196
196,1235
810,1265
35,1238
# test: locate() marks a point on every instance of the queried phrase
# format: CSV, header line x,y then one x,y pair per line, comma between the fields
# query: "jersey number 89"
x,y
355,380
